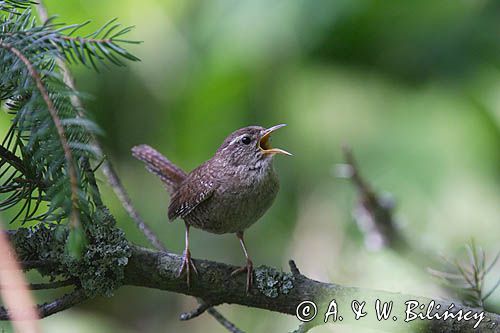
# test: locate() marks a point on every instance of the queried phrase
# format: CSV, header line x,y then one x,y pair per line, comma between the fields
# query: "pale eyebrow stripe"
x,y
238,138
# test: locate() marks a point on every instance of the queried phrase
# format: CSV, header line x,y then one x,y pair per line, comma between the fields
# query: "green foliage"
x,y
46,154
35,165
12,5
466,277
102,45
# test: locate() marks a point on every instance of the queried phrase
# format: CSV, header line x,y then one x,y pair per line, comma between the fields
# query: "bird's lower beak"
x,y
265,144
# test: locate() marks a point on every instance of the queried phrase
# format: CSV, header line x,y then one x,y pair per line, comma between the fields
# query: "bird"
x,y
226,194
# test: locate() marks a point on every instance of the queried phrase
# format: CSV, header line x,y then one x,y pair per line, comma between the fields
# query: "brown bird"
x,y
226,194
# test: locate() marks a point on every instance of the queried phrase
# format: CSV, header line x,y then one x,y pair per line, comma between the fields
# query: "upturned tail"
x,y
170,174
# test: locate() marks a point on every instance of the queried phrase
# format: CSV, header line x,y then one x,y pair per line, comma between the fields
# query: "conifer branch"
x,y
11,5
107,167
75,219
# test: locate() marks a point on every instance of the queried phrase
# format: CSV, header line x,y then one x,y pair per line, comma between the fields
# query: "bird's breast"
x,y
241,198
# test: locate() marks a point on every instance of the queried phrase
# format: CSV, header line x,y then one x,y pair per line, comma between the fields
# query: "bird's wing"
x,y
171,175
196,189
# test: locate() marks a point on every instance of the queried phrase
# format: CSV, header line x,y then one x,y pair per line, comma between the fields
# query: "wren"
x,y
226,194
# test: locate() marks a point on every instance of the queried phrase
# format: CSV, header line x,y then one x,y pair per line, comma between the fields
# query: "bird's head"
x,y
250,146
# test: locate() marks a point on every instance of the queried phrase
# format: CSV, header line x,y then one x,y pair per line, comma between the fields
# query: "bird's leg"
x,y
249,266
187,263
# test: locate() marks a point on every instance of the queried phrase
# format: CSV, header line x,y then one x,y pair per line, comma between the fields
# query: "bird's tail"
x,y
170,174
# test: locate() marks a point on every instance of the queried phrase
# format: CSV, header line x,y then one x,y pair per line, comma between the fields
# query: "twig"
x,y
493,263
52,285
305,327
62,303
223,321
107,167
126,202
488,294
202,307
59,304
293,267
374,214
43,286
467,279
110,173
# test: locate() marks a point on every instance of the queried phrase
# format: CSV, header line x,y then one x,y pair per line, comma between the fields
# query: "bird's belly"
x,y
232,209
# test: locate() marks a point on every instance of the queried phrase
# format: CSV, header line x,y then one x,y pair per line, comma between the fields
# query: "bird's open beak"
x,y
265,144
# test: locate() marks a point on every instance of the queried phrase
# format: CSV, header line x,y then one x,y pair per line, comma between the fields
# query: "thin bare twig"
x,y
113,179
52,285
293,267
373,214
62,303
107,167
305,327
121,193
59,304
223,321
43,285
202,307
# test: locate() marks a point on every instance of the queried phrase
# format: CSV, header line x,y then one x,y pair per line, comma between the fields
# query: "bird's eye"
x,y
246,140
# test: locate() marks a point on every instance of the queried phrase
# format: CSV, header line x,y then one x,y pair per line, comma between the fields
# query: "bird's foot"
x,y
249,269
186,266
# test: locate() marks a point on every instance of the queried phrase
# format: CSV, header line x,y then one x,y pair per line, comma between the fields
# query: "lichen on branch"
x,y
99,271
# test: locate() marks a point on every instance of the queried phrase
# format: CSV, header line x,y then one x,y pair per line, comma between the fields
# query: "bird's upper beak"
x,y
265,144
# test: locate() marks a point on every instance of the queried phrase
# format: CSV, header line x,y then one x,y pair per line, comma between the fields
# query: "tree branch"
x,y
63,303
60,304
373,214
277,291
148,268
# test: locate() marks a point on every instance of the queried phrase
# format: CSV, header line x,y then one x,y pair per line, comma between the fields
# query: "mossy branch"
x,y
278,291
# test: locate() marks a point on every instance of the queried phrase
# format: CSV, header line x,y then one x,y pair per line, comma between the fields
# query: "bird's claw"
x,y
249,269
186,266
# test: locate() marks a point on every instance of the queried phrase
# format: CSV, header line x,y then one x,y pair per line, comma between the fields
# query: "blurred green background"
x,y
412,87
